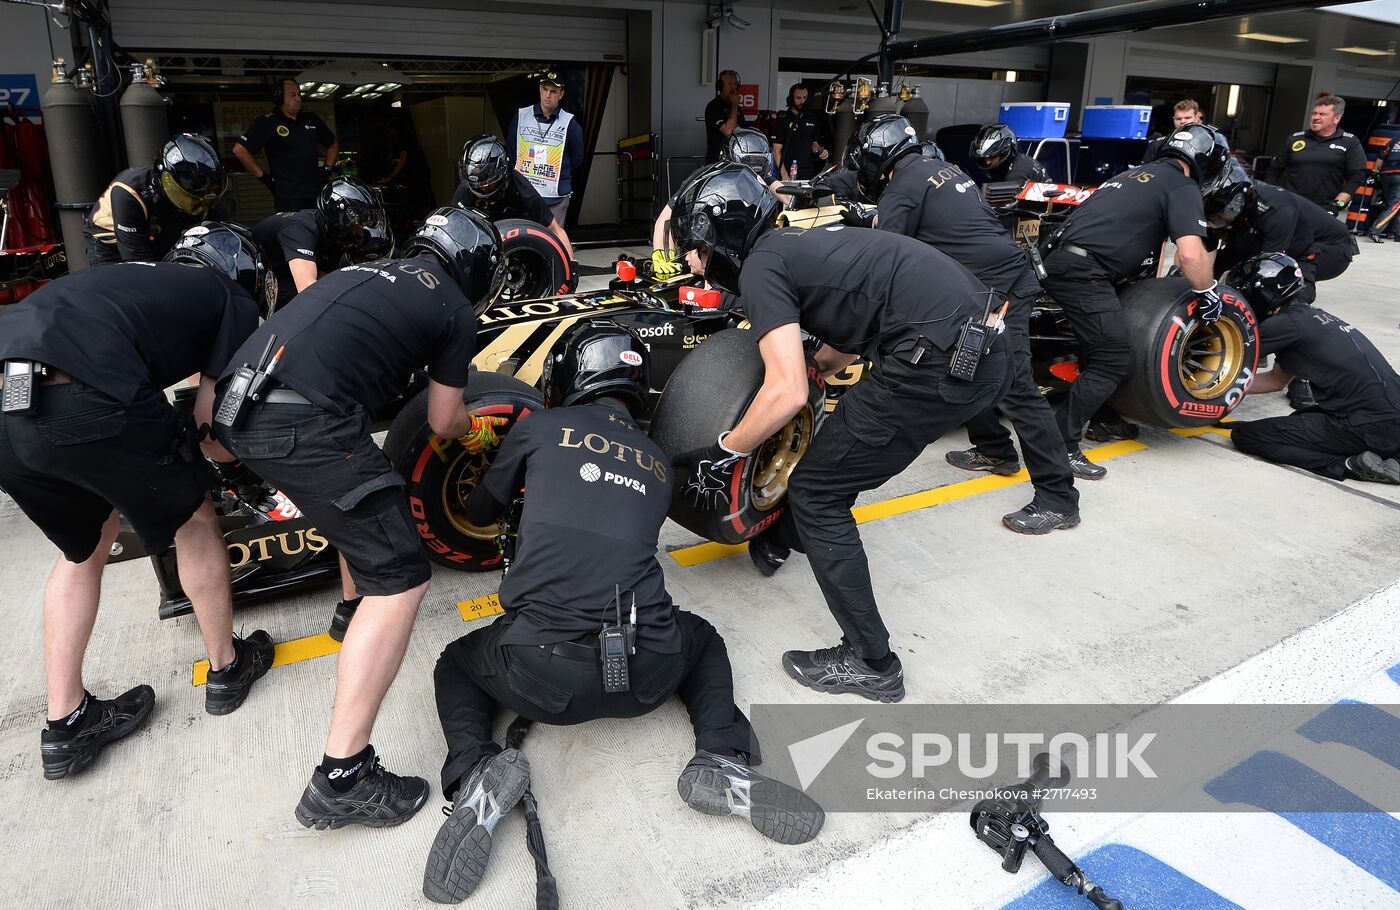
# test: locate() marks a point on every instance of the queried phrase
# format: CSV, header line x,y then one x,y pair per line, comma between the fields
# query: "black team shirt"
x,y
938,204
132,325
598,492
860,291
292,147
355,337
517,199
1319,169
294,235
1349,376
1127,219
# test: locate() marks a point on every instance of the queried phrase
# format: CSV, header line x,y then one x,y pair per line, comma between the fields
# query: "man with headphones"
x,y
801,141
722,115
1353,431
589,630
292,140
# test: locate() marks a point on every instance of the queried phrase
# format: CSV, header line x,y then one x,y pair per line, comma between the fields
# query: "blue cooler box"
x,y
1036,119
1116,121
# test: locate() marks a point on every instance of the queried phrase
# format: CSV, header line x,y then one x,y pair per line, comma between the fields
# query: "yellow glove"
x,y
482,436
664,264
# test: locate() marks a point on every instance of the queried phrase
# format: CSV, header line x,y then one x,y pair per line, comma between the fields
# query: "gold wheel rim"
x,y
776,459
463,475
1211,357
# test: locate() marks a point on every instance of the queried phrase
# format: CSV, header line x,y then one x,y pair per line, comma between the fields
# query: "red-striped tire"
x,y
537,264
440,474
1185,373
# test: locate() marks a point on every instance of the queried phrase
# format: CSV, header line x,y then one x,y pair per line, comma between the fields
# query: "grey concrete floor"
x,y
1191,558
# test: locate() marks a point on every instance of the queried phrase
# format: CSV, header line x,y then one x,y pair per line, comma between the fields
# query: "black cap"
x,y
548,74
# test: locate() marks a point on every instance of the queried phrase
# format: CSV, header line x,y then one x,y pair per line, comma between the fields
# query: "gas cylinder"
x,y
144,120
915,110
71,124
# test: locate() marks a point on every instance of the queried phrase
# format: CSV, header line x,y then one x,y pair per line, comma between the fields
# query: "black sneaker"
x,y
1300,395
64,753
379,799
225,690
768,556
457,860
717,785
1083,468
1372,468
1035,520
1109,430
839,671
974,459
340,622
1376,238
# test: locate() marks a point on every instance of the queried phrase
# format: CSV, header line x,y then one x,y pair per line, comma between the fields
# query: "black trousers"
x,y
1042,444
476,673
1085,292
1325,262
1315,440
877,430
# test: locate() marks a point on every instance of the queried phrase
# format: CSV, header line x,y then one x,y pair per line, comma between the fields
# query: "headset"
x,y
795,87
279,91
719,80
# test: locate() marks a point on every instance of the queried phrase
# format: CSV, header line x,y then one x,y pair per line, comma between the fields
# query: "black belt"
x,y
284,396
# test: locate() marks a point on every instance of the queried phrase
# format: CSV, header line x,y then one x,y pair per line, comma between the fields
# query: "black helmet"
x,y
751,149
724,209
189,173
593,359
484,165
469,245
931,150
230,249
876,145
1203,149
1267,281
995,140
1229,198
353,217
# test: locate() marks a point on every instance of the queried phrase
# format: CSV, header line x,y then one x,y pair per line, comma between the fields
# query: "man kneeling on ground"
x,y
1353,431
544,658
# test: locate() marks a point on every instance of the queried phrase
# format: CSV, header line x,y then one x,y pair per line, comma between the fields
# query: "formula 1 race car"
x,y
705,368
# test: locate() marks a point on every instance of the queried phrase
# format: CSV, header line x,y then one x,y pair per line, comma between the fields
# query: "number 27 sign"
x,y
19,90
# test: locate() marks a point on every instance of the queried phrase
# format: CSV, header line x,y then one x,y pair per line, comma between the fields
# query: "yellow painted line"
x,y
287,652
705,552
1202,431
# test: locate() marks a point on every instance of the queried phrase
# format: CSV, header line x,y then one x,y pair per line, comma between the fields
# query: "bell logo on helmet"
x,y
631,358
437,220
198,230
1182,135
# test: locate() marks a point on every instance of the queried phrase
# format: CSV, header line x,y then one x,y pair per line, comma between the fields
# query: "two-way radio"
x,y
17,396
616,642
974,341
247,383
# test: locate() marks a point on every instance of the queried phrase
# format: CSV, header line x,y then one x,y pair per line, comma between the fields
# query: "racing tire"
x,y
537,265
706,396
439,474
1185,372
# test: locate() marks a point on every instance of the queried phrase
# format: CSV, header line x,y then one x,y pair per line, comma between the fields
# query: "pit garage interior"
x,y
1199,574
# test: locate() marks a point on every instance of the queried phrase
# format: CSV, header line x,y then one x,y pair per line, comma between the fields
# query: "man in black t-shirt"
x,y
801,139
1324,163
292,139
936,203
896,302
347,346
102,438
1353,431
582,458
722,115
1105,242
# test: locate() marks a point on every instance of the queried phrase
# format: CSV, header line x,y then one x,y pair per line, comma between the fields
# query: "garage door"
x,y
425,28
1361,83
842,42
1158,62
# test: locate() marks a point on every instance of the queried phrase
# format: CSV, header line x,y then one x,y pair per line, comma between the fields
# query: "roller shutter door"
x,y
1161,62
425,28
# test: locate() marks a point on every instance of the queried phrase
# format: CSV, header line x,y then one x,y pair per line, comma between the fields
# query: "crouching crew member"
x,y
545,658
1354,429
895,301
935,202
994,150
342,350
488,185
93,435
146,209
1104,243
348,223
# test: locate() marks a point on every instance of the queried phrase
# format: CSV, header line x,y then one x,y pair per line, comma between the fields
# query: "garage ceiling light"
x,y
1274,39
974,2
1365,51
389,87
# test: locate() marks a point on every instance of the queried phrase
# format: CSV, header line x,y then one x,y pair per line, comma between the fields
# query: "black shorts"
x,y
330,467
81,454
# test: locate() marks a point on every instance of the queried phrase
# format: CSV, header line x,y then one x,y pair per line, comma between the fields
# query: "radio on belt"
x,y
17,397
616,642
247,382
974,341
